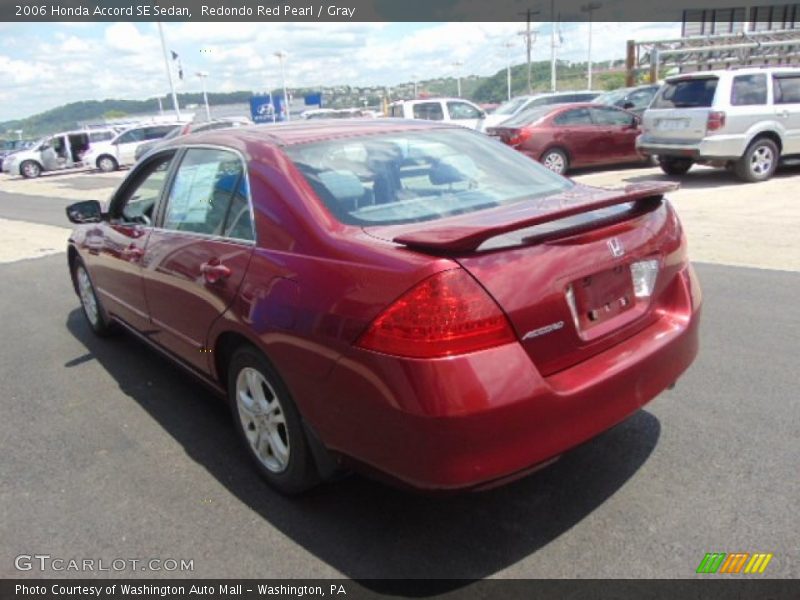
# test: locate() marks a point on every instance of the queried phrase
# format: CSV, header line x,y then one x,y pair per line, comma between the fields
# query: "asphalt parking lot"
x,y
111,452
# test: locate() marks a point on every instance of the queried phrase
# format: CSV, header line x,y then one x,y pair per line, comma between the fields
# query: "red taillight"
x,y
716,120
446,314
517,136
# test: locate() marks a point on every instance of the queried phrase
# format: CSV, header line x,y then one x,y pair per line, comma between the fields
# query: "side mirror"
x,y
482,114
627,104
88,211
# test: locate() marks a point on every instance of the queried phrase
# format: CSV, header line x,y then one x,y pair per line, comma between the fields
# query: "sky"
x,y
44,65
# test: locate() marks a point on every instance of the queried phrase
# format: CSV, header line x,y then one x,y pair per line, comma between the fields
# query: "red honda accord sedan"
x,y
565,136
411,298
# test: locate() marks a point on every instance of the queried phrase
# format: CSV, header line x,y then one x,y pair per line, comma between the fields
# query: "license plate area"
x,y
599,297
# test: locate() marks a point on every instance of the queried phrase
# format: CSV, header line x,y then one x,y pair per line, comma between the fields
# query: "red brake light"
x,y
716,120
518,136
446,314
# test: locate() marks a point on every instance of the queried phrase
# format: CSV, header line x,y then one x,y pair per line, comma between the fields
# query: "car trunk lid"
x,y
559,267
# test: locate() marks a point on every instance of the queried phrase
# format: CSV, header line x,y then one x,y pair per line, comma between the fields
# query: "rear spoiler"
x,y
466,233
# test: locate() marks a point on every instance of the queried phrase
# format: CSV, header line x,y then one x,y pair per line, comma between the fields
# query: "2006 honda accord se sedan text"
x,y
413,299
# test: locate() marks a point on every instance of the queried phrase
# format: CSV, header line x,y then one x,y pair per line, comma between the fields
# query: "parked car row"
x,y
106,149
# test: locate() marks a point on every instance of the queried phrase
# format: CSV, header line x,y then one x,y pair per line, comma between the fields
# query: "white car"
x,y
452,110
121,150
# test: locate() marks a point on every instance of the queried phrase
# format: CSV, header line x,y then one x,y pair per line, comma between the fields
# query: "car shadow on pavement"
x,y
369,531
702,178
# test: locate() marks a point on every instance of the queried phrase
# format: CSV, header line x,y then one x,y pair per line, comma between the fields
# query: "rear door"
x,y
576,132
679,111
197,257
786,94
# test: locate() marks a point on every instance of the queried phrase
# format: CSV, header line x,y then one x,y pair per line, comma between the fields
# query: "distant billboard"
x,y
262,109
314,99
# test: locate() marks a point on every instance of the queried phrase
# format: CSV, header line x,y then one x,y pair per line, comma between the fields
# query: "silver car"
x,y
744,119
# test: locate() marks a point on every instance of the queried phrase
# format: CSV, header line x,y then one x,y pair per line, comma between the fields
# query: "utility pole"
x,y
169,72
415,86
590,8
530,37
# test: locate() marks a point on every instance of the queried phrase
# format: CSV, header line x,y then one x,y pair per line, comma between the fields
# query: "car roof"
x,y
312,130
733,72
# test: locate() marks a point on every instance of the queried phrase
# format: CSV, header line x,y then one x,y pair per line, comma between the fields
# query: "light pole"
x,y
281,55
203,75
590,8
458,64
508,45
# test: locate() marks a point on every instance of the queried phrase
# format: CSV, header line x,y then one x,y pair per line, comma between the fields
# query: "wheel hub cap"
x,y
761,161
554,162
88,299
263,419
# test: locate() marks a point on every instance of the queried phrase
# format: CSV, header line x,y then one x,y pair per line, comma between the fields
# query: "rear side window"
x,y
749,90
157,132
786,89
100,136
576,116
687,93
429,111
208,196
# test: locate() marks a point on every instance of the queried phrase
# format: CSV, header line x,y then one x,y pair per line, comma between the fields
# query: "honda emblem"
x,y
616,247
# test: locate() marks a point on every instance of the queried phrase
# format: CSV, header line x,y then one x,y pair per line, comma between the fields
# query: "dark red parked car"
x,y
566,136
407,297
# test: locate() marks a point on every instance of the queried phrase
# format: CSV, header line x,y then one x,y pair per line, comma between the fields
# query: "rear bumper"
x,y
467,421
718,147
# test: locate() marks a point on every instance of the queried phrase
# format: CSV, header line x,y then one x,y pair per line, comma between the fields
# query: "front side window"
x,y
749,90
786,89
137,204
416,176
134,135
207,188
429,111
641,99
461,110
611,117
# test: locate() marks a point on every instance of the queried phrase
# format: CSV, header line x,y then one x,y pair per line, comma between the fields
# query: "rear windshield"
x,y
417,176
686,93
526,117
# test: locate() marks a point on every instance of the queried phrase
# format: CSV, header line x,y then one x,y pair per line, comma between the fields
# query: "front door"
x,y
786,93
116,246
197,258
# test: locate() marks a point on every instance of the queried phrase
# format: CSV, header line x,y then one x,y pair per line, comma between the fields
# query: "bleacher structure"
x,y
720,39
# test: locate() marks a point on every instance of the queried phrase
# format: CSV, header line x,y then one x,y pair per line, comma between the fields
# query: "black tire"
x,y
30,169
675,166
299,472
107,163
98,320
556,160
759,161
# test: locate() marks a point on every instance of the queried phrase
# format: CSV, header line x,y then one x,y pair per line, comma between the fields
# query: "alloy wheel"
x,y
761,160
555,162
263,419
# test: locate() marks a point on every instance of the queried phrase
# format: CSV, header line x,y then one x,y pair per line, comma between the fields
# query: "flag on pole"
x,y
177,60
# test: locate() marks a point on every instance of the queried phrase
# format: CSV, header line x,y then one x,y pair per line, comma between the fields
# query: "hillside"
x,y
473,87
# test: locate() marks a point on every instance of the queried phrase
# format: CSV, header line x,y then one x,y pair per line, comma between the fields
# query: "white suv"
x,y
745,119
453,110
